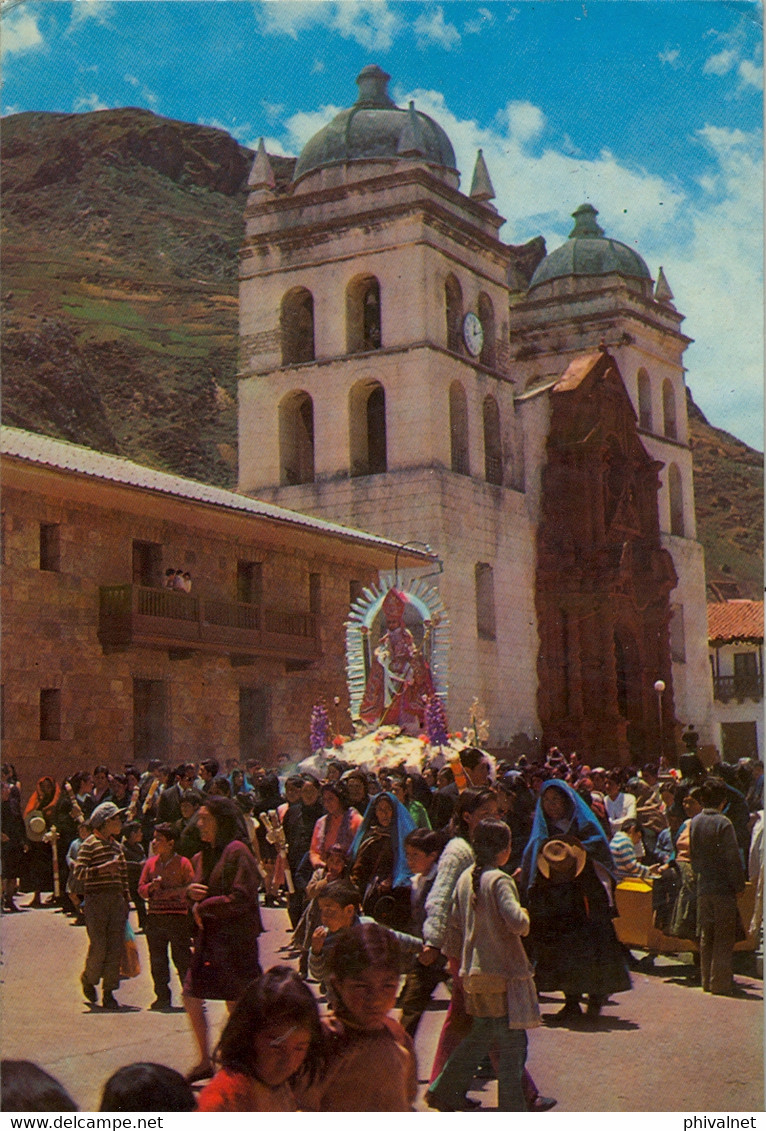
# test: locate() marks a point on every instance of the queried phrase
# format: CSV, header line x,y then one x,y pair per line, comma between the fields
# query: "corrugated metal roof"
x,y
735,620
65,456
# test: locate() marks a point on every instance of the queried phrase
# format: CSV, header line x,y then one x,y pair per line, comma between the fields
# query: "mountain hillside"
x,y
120,235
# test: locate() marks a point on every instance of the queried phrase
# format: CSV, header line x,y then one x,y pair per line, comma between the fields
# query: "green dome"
x,y
589,252
375,127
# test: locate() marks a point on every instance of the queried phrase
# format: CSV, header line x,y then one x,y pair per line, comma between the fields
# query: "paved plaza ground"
x,y
664,1046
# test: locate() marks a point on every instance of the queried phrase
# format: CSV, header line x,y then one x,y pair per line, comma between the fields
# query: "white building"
x,y
400,367
735,631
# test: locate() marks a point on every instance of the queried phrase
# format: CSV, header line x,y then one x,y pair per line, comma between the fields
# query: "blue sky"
x,y
651,111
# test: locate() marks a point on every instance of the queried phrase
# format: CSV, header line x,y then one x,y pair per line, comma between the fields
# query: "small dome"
x,y
376,128
589,252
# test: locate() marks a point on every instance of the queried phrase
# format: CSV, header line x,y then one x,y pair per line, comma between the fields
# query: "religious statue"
x,y
399,681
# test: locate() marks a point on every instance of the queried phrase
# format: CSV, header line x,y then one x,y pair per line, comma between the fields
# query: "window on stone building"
x,y
249,583
487,319
296,324
363,322
147,563
746,675
453,298
458,427
150,719
493,450
644,401
739,740
669,411
676,498
254,722
50,714
367,429
677,634
50,546
296,438
485,601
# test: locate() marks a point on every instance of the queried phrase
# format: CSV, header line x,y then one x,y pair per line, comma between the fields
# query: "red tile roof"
x,y
735,620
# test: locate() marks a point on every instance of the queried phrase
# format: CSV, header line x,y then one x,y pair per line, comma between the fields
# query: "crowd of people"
x,y
495,879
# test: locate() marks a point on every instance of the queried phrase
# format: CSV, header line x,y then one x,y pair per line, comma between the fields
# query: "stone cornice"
x,y
390,351
593,318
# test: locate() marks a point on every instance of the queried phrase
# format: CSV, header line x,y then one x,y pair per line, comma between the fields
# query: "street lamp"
x,y
659,687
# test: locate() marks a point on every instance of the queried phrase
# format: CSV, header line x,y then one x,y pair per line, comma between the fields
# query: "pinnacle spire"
x,y
261,174
411,142
662,291
481,185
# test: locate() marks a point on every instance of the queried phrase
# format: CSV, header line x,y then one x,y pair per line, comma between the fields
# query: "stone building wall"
x,y
50,625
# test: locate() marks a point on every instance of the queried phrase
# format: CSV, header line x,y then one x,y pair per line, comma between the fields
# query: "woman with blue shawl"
x,y
379,867
566,883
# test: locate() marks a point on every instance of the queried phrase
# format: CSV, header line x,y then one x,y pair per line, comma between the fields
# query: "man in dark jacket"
x,y
720,876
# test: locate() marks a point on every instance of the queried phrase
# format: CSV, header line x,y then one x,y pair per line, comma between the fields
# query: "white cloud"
x,y
751,74
303,125
431,28
98,10
524,120
670,57
145,92
482,20
718,282
720,63
20,32
88,102
370,23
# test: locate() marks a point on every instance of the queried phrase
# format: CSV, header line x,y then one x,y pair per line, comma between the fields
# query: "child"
x,y
273,1035
164,880
422,849
370,1059
334,869
74,888
339,909
145,1086
135,858
484,930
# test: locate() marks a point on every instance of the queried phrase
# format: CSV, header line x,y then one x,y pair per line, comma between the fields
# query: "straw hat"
x,y
36,826
562,859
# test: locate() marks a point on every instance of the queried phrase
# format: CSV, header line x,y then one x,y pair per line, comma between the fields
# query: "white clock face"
x,y
473,334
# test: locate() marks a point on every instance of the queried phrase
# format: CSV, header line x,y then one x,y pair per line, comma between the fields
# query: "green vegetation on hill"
x,y
121,232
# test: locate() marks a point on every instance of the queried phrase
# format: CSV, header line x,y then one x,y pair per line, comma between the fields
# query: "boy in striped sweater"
x,y
100,867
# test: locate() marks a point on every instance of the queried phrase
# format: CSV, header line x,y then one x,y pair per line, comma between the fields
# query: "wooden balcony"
x,y
739,687
140,616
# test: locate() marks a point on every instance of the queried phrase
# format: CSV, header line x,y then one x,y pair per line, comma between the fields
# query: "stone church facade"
x,y
404,370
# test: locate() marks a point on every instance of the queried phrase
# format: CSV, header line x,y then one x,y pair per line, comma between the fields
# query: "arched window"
x,y
296,323
487,319
367,428
485,601
493,451
676,495
296,439
363,327
644,401
669,410
453,300
458,428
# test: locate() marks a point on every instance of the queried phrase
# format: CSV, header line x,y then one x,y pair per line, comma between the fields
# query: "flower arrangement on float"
x,y
388,747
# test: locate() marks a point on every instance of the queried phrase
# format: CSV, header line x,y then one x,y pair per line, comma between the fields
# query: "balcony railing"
x,y
140,616
726,687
